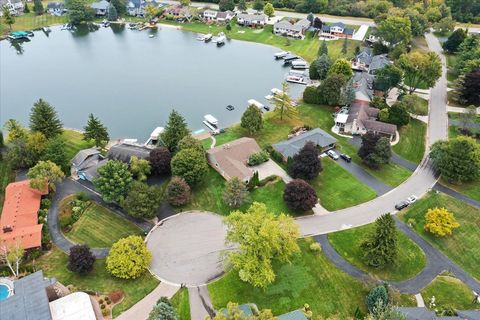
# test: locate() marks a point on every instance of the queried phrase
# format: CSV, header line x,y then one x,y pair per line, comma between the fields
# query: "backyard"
x,y
310,278
412,141
449,293
410,259
462,246
74,142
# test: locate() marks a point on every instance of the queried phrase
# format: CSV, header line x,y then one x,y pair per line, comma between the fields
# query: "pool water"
x,y
4,291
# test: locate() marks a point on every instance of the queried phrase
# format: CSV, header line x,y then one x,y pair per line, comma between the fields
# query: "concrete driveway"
x,y
271,168
187,248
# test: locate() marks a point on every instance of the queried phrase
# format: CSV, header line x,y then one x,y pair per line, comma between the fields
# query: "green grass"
x,y
420,106
99,280
30,21
181,302
100,228
7,175
310,278
337,188
412,141
410,260
462,246
470,189
449,292
458,116
74,141
452,75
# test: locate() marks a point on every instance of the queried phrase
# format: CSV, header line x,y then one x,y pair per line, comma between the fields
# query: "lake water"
x,y
131,81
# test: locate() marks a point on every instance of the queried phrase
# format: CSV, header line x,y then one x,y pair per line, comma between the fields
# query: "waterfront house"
x,y
179,12
294,30
230,159
56,8
225,16
85,164
15,6
290,147
335,31
252,20
136,8
19,220
209,15
422,313
124,152
101,7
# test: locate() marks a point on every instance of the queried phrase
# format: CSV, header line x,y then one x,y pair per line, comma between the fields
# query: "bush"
x,y
299,195
191,165
105,312
80,259
100,301
160,159
377,293
440,222
177,192
128,258
82,196
312,95
46,203
116,296
258,158
315,247
102,306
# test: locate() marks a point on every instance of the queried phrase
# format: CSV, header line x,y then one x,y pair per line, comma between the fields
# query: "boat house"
x,y
294,30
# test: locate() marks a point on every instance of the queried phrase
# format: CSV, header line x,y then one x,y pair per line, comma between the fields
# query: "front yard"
x,y
462,247
181,302
449,293
412,141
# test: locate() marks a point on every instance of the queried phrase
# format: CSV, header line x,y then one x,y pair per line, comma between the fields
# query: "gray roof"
x,y
363,84
91,172
252,17
30,301
338,24
289,148
56,5
102,5
365,56
379,61
293,315
348,31
83,155
224,14
124,152
299,26
469,315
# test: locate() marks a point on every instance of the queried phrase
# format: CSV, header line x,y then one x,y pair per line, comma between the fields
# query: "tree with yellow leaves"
x,y
440,222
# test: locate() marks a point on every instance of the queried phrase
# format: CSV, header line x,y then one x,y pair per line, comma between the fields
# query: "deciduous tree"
x,y
178,192
8,17
283,104
375,150
299,195
120,6
341,67
380,248
44,118
128,258
420,68
445,25
191,165
140,168
95,130
470,88
252,119
112,13
395,30
45,172
175,130
79,11
242,5
235,193
258,5
12,256
55,151
36,145
114,181
387,78
440,222
15,130
331,89
398,114
38,7
160,159
142,200
305,164
226,5
80,259
189,142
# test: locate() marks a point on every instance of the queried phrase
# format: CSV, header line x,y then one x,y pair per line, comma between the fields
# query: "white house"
x,y
225,16
101,7
210,14
252,20
56,8
15,6
294,30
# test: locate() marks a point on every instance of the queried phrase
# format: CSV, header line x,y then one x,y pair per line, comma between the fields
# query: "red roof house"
x,y
19,220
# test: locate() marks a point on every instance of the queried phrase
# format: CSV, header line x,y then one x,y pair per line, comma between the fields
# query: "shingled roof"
x,y
123,152
289,148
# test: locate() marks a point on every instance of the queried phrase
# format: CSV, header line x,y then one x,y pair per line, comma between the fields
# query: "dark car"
x,y
346,157
402,205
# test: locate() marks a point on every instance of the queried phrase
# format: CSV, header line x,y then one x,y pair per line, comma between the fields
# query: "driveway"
x,y
361,32
271,168
187,248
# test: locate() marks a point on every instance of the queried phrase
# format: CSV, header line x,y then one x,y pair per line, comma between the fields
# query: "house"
x,y
124,152
422,313
15,6
230,159
19,220
252,20
85,164
335,31
289,148
363,86
295,30
101,7
179,12
209,15
56,8
225,16
379,61
136,8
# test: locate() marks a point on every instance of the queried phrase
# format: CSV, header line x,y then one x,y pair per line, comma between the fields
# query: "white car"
x,y
332,154
412,199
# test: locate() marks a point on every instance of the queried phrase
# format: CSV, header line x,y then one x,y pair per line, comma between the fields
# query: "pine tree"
x,y
95,130
175,130
112,13
323,48
38,7
323,65
44,118
26,9
380,248
283,104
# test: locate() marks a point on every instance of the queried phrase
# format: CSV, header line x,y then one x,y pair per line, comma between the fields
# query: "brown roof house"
x,y
230,159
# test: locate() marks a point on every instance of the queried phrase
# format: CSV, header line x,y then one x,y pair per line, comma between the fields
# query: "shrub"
x,y
311,95
108,302
299,195
377,293
105,312
116,296
82,196
160,159
80,259
315,247
46,203
440,222
128,258
102,306
177,192
258,158
100,301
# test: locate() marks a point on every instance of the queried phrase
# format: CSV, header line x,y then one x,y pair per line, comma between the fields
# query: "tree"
x,y
331,89
112,13
375,150
56,152
348,93
419,67
128,258
44,118
387,78
114,181
8,17
470,88
262,238
12,256
388,312
18,155
186,3
177,192
252,119
323,49
457,160
269,10
380,247
341,67
142,200
345,46
312,70
398,114
2,142
95,130
311,95
80,259
323,65
151,12
395,30
299,195
38,7
445,25
15,130
379,293
233,312
305,164
79,11
120,6
440,222
235,192
189,142
36,145
226,5
468,55
45,172
160,159
140,168
163,311
191,165
464,10
258,5
468,117
175,130
283,104
317,24
242,5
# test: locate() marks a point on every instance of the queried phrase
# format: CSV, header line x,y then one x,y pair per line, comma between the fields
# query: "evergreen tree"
x,y
242,5
348,93
323,65
175,130
313,71
112,13
38,7
380,248
323,48
163,311
26,8
95,130
283,104
454,40
379,293
305,164
8,17
44,118
2,143
252,119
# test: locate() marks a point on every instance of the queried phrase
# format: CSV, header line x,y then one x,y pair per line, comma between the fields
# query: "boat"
x,y
253,102
30,33
201,37
220,40
151,35
68,26
154,136
280,55
133,26
208,37
296,79
299,64
17,35
289,58
211,119
106,24
276,91
214,129
230,107
46,29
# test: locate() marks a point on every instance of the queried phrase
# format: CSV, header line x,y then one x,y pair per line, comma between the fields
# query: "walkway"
x,y
459,123
360,33
460,110
142,308
457,195
271,168
200,303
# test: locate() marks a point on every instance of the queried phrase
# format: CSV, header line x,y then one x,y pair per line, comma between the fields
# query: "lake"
x,y
131,81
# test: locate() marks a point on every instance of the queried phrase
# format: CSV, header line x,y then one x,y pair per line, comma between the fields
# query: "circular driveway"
x,y
187,248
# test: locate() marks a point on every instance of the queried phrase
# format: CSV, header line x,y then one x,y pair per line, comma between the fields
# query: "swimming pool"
x,y
4,291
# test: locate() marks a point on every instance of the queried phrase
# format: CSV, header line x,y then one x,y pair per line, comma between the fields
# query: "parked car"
x,y
412,199
332,154
402,205
346,157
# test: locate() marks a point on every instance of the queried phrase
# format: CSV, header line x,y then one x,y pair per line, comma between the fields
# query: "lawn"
x,y
452,75
310,278
337,188
74,141
100,228
412,141
449,293
30,21
470,189
54,265
181,302
7,175
410,260
462,247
